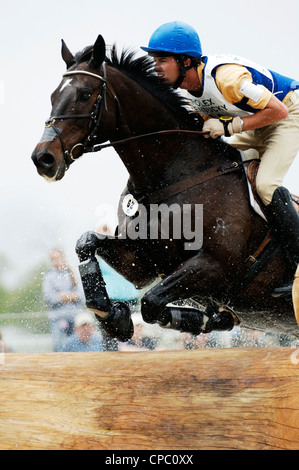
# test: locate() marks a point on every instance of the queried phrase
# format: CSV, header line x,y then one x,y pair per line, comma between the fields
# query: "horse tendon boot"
x,y
220,318
192,320
114,317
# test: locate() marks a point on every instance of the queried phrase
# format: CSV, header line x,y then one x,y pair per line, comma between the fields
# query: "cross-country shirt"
x,y
227,87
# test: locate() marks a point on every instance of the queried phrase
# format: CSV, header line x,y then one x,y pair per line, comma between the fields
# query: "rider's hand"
x,y
214,127
223,126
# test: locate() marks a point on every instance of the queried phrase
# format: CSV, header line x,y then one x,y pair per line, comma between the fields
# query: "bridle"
x,y
94,117
94,121
94,124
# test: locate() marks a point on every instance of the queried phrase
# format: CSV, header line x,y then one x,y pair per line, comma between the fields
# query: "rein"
x,y
98,147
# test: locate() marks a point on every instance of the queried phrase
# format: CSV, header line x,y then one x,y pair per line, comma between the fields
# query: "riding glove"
x,y
223,126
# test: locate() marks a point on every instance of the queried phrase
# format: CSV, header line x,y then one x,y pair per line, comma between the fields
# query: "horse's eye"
x,y
84,96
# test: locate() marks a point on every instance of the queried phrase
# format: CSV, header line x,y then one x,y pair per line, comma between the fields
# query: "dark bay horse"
x,y
202,181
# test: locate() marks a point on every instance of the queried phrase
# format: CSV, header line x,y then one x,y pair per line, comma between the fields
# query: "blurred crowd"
x,y
76,329
87,336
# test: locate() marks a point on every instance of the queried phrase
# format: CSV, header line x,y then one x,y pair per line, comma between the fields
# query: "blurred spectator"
x,y
3,347
244,337
140,341
85,338
63,297
188,341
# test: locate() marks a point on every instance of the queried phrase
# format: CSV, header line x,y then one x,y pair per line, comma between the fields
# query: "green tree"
x,y
27,297
3,292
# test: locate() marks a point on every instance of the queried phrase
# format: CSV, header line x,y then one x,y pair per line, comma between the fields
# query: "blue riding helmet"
x,y
175,37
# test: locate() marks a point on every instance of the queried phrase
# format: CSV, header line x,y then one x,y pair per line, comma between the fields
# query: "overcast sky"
x,y
36,215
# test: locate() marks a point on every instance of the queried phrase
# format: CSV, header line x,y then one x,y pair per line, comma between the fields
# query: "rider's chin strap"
x,y
183,70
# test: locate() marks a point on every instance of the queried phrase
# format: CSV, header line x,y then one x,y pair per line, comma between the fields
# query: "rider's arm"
x,y
274,111
235,83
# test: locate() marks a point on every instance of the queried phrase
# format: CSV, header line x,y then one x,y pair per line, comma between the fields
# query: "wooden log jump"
x,y
245,398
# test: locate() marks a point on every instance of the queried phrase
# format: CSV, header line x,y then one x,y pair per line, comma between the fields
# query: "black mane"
x,y
140,69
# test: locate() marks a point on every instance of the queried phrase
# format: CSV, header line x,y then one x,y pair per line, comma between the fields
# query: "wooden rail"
x,y
245,398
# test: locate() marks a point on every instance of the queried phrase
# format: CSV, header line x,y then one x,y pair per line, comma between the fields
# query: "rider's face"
x,y
167,69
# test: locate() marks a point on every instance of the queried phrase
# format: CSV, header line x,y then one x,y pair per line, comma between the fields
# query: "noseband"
x,y
94,117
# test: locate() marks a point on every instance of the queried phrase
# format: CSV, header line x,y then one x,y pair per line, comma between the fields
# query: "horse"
x,y
221,279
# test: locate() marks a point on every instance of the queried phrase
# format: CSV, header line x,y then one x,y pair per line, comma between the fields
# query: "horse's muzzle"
x,y
46,165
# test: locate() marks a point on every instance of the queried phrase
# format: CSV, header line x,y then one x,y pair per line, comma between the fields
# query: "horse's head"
x,y
77,105
89,108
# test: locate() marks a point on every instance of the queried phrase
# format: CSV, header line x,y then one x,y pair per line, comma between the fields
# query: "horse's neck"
x,y
140,113
154,161
164,159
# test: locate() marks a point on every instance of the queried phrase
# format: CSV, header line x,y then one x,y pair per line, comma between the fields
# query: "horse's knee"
x,y
88,244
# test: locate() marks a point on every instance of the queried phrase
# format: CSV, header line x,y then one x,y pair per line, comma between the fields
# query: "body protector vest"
x,y
212,103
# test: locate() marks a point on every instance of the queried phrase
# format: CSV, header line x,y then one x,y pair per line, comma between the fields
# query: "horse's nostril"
x,y
43,160
47,160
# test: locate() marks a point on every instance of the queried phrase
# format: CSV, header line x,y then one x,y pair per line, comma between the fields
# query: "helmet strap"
x,y
183,70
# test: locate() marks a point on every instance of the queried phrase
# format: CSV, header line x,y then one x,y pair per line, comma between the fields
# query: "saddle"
x,y
251,173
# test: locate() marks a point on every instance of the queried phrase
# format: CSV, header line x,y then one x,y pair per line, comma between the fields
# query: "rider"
x,y
255,107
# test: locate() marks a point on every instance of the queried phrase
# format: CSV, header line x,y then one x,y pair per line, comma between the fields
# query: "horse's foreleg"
x,y
115,317
128,258
198,276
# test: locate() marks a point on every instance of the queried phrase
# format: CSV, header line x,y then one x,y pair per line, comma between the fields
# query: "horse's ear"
x,y
98,54
67,56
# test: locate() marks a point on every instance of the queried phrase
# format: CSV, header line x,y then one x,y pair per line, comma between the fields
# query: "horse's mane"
x,y
141,70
